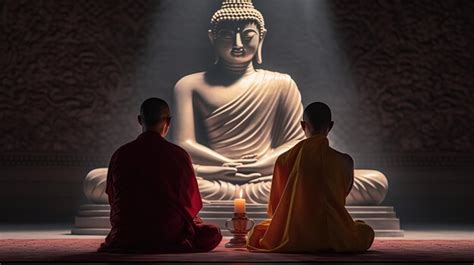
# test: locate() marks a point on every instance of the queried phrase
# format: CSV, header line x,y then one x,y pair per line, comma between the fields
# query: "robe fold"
x,y
307,204
155,199
266,115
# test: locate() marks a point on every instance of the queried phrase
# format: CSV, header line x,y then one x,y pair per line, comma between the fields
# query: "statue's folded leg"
x,y
256,192
95,184
370,188
216,190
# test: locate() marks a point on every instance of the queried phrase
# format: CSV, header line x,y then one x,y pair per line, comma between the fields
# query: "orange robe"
x,y
306,206
155,199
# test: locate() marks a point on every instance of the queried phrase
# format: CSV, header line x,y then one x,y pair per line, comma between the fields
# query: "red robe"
x,y
155,199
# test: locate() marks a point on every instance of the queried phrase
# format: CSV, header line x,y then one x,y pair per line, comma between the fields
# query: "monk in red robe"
x,y
153,193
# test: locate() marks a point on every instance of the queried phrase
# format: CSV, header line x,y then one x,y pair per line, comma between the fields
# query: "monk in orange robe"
x,y
307,198
153,193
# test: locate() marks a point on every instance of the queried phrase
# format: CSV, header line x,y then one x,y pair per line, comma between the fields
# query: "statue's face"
x,y
237,42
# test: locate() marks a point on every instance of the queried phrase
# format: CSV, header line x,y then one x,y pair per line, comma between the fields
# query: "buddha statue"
x,y
235,120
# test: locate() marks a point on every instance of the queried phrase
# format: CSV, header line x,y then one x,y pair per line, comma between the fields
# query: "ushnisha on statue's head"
x,y
237,31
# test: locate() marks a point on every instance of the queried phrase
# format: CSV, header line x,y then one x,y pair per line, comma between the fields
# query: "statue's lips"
x,y
237,53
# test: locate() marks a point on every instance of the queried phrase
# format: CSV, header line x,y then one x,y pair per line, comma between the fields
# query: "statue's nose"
x,y
238,41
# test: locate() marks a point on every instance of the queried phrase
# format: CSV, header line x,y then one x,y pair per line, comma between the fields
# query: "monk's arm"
x,y
184,127
279,178
113,168
281,173
350,174
189,188
109,189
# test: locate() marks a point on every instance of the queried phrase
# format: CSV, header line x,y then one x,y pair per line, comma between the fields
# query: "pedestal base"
x,y
382,219
93,219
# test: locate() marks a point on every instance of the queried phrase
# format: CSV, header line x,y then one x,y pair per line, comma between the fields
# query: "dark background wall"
x,y
398,74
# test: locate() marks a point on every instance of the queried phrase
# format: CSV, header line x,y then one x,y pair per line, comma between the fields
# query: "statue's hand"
x,y
241,178
263,166
249,168
232,164
248,176
266,178
239,162
225,174
212,172
250,156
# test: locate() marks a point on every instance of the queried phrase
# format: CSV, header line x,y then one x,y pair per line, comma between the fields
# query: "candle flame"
x,y
241,194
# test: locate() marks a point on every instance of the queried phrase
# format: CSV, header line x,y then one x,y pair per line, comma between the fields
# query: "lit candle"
x,y
239,204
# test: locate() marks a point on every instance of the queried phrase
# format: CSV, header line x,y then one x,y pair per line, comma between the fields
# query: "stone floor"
x,y
54,243
63,231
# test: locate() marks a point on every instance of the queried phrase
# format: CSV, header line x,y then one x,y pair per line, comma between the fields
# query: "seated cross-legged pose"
x,y
153,193
307,199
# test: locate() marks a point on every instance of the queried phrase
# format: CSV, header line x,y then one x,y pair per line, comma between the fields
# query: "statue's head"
x,y
237,31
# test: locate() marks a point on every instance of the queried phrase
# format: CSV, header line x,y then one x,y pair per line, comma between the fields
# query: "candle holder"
x,y
239,231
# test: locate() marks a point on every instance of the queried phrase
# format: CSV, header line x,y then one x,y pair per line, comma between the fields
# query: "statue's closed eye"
x,y
225,34
230,34
249,34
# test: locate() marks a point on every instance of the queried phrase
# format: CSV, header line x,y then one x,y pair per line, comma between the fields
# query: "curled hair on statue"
x,y
237,10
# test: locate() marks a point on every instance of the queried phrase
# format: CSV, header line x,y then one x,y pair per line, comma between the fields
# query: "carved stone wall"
x,y
66,74
397,74
412,63
72,73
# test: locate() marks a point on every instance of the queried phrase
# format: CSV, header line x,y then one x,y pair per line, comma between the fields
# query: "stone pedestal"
x,y
93,219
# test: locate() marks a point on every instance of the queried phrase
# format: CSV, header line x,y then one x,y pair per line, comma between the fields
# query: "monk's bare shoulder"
x,y
190,82
344,158
349,161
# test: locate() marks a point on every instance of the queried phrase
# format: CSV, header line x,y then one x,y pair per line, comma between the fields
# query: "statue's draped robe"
x,y
154,199
307,202
265,116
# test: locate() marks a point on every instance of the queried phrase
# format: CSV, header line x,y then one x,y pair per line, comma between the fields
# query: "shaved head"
x,y
153,111
318,115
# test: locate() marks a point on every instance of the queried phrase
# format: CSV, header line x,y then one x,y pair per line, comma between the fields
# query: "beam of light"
x,y
301,41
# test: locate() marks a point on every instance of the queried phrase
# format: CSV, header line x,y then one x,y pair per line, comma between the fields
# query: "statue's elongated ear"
x,y
259,50
210,35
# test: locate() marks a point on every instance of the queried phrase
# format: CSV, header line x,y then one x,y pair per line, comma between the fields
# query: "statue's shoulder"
x,y
190,81
277,76
282,84
284,80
